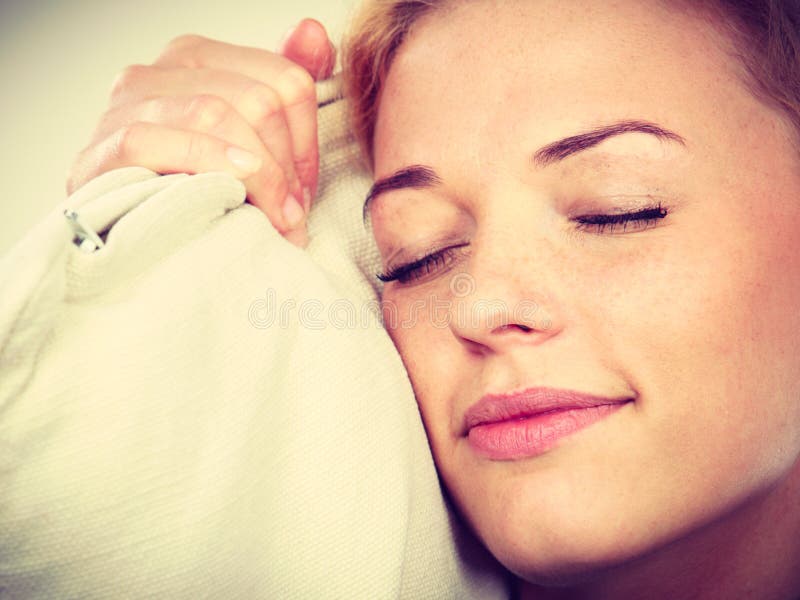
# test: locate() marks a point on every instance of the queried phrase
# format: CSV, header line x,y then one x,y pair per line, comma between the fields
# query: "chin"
x,y
568,542
571,558
561,521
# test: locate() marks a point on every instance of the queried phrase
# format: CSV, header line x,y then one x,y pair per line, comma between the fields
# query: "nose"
x,y
503,303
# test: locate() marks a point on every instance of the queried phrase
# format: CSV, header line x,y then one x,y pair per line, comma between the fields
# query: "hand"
x,y
204,105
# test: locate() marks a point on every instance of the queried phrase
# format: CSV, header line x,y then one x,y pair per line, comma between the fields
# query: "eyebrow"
x,y
421,176
561,149
413,177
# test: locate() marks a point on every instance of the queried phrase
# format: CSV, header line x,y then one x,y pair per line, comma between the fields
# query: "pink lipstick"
x,y
530,422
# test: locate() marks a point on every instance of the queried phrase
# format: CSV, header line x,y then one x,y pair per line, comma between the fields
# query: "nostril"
x,y
523,328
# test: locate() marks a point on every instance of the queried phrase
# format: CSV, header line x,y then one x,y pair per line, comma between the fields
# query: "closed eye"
x,y
622,222
433,263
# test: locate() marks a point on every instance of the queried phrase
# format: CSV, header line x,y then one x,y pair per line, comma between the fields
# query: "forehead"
x,y
487,73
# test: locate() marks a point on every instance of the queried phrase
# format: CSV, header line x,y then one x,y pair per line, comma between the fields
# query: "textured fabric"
x,y
199,409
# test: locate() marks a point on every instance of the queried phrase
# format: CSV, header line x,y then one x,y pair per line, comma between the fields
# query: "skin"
x,y
691,490
206,105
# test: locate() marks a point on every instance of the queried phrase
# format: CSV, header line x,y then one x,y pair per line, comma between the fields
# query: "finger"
x,y
298,237
168,150
258,104
164,150
204,113
294,86
309,46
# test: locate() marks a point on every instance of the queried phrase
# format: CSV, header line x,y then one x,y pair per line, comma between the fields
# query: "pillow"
x,y
200,409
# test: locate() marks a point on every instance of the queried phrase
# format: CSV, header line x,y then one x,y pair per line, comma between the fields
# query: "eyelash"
x,y
419,268
603,223
644,218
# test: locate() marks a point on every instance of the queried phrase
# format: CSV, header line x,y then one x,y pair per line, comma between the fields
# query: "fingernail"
x,y
293,212
298,237
243,160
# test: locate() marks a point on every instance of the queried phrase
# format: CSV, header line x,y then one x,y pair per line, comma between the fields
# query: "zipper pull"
x,y
85,238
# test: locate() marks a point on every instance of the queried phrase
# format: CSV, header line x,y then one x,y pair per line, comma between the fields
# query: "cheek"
x,y
418,327
707,332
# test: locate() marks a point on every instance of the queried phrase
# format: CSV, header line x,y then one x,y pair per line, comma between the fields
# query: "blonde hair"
x,y
765,33
376,34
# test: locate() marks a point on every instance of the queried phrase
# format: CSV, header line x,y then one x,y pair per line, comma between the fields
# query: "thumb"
x,y
308,45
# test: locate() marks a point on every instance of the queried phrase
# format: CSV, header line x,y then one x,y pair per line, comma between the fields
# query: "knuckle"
x,y
186,40
206,112
126,140
182,49
128,80
273,181
260,103
295,85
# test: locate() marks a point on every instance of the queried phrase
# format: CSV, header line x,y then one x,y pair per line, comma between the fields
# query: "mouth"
x,y
528,423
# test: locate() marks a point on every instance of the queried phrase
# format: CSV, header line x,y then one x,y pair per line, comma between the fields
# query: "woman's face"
x,y
649,265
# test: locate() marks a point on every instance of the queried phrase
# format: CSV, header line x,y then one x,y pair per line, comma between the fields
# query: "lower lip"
x,y
530,436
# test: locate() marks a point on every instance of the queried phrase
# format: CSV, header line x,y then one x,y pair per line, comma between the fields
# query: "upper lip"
x,y
496,408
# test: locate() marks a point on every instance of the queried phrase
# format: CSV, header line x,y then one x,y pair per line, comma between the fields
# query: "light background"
x,y
59,58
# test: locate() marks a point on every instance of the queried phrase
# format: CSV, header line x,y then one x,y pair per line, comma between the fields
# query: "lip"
x,y
530,422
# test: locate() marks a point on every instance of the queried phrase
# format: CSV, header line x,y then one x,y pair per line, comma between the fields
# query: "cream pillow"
x,y
199,409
